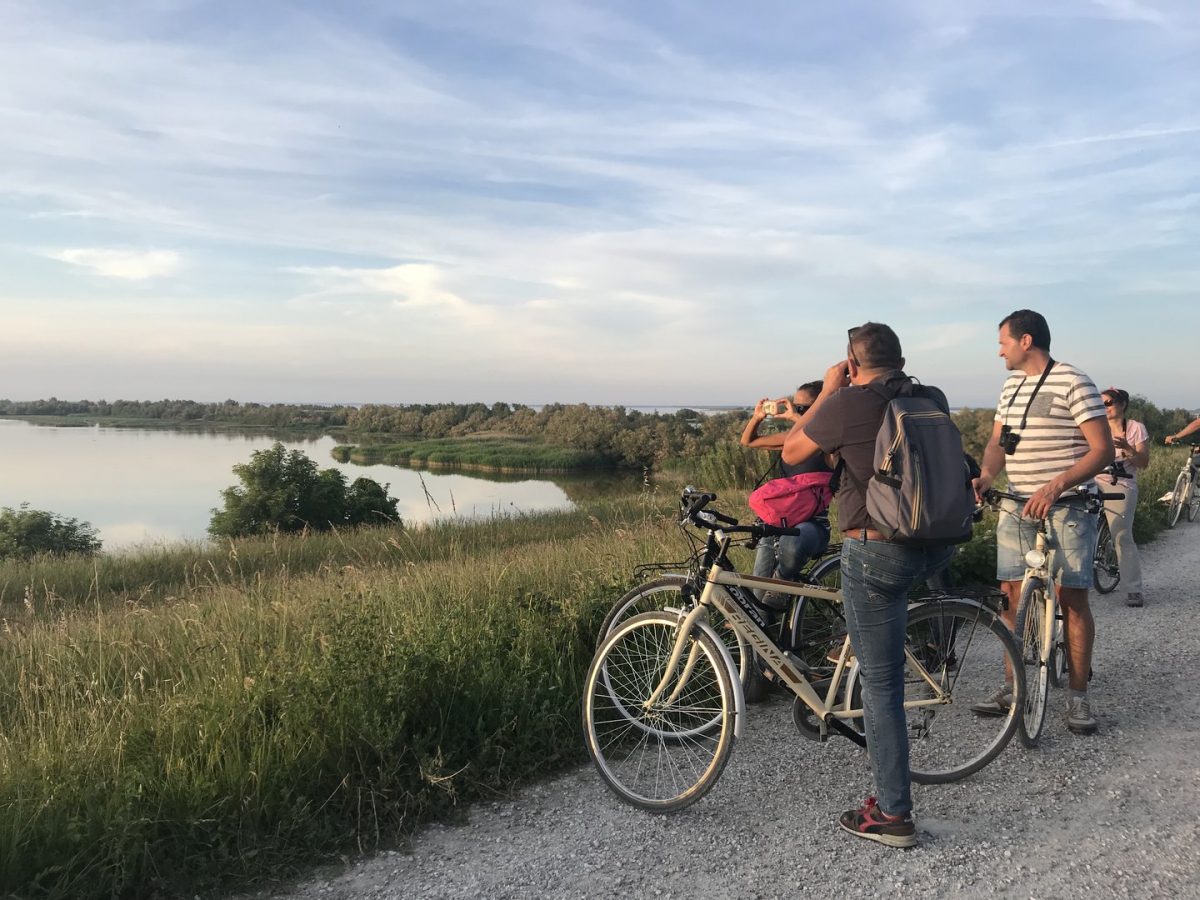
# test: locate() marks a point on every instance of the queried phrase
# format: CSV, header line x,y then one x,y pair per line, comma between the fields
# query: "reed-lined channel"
x,y
142,485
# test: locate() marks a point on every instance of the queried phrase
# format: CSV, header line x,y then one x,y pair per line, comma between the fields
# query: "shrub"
x,y
285,491
29,532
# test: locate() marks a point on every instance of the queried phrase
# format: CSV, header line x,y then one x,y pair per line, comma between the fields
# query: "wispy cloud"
x,y
578,185
129,265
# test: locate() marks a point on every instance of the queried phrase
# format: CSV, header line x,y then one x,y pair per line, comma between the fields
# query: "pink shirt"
x,y
1135,433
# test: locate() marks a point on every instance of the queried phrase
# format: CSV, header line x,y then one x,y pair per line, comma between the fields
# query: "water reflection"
x,y
146,485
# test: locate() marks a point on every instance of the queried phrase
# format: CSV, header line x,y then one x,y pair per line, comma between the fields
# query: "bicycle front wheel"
x,y
1035,658
1106,574
675,591
958,653
665,755
1183,486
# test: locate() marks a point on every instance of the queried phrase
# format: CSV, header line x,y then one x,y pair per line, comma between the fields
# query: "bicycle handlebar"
x,y
693,504
993,496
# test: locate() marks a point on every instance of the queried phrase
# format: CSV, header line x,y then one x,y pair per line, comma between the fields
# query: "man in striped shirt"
x,y
1051,434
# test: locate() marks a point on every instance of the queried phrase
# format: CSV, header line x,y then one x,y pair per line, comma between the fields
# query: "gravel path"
x,y
1112,815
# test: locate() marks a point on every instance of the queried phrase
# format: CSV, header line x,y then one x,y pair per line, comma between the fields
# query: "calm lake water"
x,y
141,486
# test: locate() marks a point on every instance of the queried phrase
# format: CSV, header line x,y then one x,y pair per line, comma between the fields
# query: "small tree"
x,y
27,532
285,491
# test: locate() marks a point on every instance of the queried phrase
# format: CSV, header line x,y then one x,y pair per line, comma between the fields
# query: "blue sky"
x,y
625,202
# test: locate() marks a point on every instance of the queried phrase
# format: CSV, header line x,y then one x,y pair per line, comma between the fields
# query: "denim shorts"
x,y
1070,528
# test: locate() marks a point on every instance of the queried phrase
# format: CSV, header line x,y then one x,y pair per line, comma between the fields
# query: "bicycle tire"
x,y
664,758
964,648
1035,657
817,625
670,590
1106,572
1193,504
1060,667
1182,485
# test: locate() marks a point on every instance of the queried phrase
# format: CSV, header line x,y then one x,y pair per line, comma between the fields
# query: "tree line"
x,y
618,436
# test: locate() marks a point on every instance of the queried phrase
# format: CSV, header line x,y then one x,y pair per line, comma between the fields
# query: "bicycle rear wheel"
x,y
817,625
1194,503
1035,658
1106,574
958,653
1179,495
1059,661
666,755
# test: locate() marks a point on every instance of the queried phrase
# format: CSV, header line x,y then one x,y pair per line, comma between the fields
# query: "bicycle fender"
x,y
739,698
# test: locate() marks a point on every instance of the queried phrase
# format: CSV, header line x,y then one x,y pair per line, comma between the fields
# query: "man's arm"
x,y
992,464
1191,428
797,446
1100,453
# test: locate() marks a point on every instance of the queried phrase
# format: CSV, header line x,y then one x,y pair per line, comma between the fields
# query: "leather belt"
x,y
864,534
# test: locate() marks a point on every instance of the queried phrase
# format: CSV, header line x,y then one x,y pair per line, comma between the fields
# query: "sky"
x,y
642,202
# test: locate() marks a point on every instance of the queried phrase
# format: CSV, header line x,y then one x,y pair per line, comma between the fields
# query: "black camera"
x,y
1009,439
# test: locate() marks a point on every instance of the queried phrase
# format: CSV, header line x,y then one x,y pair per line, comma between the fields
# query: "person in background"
x,y
787,555
1130,440
1188,429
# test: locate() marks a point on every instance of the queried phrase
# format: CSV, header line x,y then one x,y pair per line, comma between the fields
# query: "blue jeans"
x,y
876,578
789,554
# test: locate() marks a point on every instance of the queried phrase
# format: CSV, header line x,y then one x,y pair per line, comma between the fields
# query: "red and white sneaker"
x,y
872,823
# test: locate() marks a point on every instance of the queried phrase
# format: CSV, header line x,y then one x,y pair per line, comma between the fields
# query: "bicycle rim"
x,y
961,647
668,755
1106,574
1035,657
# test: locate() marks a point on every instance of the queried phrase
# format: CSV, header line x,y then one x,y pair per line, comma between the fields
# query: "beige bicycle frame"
x,y
780,661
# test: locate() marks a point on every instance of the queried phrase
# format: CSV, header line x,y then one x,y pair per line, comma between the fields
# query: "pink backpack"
x,y
787,502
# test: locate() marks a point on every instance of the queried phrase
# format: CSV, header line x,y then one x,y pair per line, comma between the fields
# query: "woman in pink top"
x,y
1130,439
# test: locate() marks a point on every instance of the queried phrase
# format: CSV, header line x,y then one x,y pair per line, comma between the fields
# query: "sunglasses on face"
x,y
850,333
801,408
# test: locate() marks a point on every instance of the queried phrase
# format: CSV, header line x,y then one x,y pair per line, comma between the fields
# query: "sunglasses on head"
x,y
850,333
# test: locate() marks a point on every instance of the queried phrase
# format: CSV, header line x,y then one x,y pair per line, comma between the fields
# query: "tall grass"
x,y
50,584
246,728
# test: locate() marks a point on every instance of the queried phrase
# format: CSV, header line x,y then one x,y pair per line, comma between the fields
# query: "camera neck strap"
x,y
1037,387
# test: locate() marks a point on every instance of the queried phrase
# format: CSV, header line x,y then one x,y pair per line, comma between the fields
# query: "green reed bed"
x,y
50,584
248,729
487,454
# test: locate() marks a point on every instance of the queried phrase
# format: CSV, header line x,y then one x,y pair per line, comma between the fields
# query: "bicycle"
x,y
663,704
1185,492
1039,628
679,585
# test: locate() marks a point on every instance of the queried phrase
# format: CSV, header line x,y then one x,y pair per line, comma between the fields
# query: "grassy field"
x,y
482,454
196,718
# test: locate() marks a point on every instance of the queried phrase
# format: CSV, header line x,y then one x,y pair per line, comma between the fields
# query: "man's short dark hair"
x,y
876,346
811,387
1026,321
